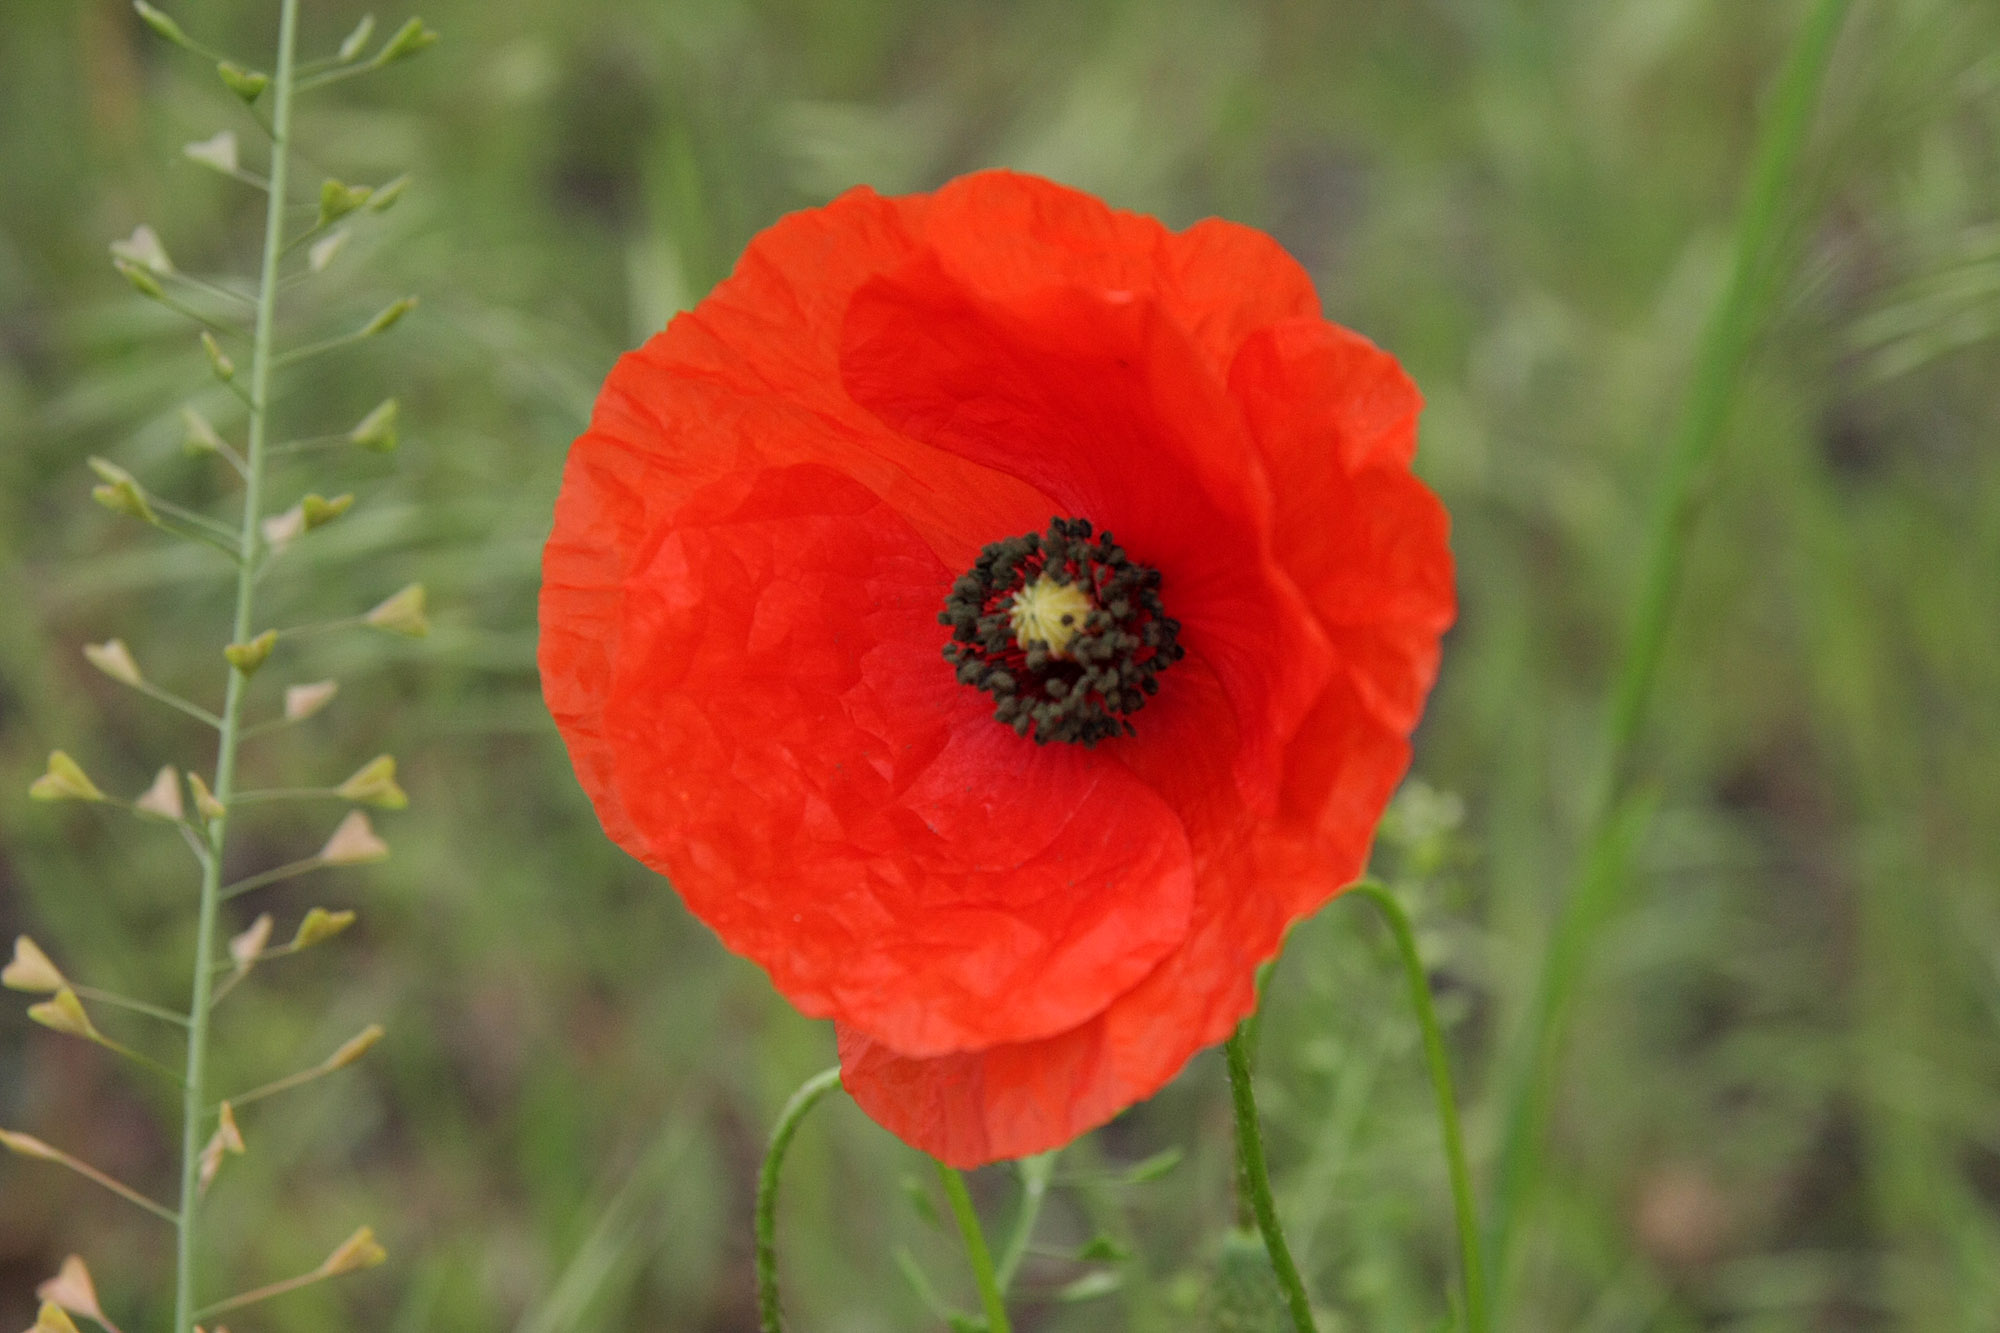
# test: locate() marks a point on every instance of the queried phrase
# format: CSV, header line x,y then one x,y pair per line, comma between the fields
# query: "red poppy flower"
x,y
1000,617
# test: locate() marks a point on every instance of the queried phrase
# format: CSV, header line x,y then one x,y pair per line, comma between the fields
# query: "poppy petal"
x,y
799,759
1104,406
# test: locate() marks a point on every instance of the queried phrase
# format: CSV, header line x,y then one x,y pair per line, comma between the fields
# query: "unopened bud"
x,y
205,803
120,492
351,47
353,843
52,1318
72,1289
218,152
162,800
324,249
317,509
247,657
360,1250
64,780
302,701
31,970
411,38
218,360
245,947
27,1145
319,926
387,195
115,660
64,1013
337,199
355,1047
377,430
198,435
375,784
161,24
143,248
391,315
247,84
401,613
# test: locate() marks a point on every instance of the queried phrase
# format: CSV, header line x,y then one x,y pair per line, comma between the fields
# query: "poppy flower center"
x,y
1068,635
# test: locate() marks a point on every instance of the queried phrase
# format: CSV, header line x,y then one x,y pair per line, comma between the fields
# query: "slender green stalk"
x,y
194,1108
1036,1172
1253,1180
1725,347
770,1318
1472,1267
976,1252
127,1002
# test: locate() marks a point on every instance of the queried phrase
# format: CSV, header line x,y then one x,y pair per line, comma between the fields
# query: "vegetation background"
x,y
1778,1107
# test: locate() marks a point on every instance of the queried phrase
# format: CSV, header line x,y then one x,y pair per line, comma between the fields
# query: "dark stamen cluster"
x,y
1104,674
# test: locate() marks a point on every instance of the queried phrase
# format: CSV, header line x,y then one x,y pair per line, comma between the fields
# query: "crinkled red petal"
x,y
799,760
1010,1101
1104,405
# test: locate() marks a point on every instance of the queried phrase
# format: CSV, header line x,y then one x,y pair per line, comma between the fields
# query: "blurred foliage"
x,y
1781,1106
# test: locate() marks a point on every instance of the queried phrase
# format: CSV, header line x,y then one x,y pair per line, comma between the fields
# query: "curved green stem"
x,y
1036,1172
1726,343
1253,1181
1472,1267
769,1318
201,1002
976,1252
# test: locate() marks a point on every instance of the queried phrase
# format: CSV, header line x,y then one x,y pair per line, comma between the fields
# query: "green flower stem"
x,y
194,1102
1472,1268
983,1275
1253,1180
770,1319
1724,349
1036,1172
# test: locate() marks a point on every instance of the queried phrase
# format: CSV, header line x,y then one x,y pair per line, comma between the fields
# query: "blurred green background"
x,y
1779,1105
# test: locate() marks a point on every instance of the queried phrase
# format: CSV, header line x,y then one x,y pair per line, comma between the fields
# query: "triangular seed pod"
x,y
53,1319
31,970
143,248
377,430
65,780
65,1014
217,151
320,925
245,947
302,701
411,38
199,435
318,510
374,783
248,84
247,657
115,660
205,803
401,613
353,843
72,1289
162,800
